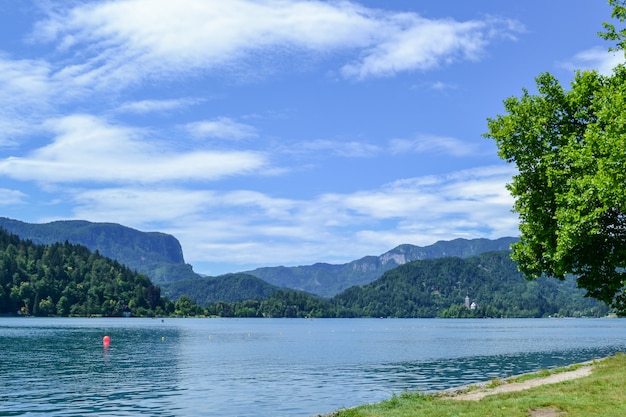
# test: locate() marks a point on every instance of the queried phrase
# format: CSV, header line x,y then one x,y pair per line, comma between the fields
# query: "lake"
x,y
270,367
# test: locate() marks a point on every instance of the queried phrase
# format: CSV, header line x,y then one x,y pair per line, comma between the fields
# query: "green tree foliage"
x,y
569,148
612,33
282,303
65,279
227,288
186,307
438,287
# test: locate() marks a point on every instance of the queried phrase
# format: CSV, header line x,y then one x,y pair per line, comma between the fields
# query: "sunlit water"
x,y
270,367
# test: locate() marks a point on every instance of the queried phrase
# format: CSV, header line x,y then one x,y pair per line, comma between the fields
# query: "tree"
x,y
570,190
612,34
185,307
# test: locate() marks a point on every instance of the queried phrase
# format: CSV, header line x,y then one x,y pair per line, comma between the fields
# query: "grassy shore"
x,y
602,393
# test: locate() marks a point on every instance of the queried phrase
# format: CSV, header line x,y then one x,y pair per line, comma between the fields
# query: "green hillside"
x,y
438,287
435,288
66,279
226,288
157,255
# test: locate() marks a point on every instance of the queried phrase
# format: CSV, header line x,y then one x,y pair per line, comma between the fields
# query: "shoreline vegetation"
x,y
579,390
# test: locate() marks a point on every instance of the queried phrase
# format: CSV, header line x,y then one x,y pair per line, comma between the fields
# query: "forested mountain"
x,y
435,288
157,255
66,279
226,288
438,287
328,280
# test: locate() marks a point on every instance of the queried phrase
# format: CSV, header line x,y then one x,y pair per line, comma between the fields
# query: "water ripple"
x,y
258,368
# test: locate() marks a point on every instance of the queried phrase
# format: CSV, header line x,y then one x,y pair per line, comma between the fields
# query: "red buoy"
x,y
106,341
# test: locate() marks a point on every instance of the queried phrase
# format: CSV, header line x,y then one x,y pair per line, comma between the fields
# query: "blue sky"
x,y
282,132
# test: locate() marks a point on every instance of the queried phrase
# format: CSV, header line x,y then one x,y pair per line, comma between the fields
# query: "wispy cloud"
x,y
221,128
25,94
11,197
441,86
410,42
134,39
214,226
86,148
599,59
421,144
349,149
149,106
432,144
105,47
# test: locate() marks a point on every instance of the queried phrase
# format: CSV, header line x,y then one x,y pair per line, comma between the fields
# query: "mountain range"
x,y
328,280
407,281
485,285
160,257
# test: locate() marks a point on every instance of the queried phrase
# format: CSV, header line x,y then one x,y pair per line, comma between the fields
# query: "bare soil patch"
x,y
546,412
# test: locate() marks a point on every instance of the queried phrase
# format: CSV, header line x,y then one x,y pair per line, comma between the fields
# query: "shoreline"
x,y
476,392
515,383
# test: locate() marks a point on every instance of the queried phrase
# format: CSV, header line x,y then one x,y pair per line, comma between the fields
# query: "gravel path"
x,y
519,386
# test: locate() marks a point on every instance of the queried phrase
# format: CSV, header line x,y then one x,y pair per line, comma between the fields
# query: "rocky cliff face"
x,y
396,258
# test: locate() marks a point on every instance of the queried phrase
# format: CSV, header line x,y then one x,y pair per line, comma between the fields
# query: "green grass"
x,y
599,394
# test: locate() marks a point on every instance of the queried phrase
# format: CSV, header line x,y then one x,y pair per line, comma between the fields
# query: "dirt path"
x,y
519,386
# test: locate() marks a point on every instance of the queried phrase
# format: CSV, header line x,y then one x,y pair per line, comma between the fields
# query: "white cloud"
x,y
441,86
415,43
477,196
134,39
105,47
86,148
599,59
11,197
432,144
24,80
350,149
149,106
423,143
25,93
215,226
221,128
140,206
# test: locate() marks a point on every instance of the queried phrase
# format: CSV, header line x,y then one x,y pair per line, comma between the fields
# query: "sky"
x,y
276,132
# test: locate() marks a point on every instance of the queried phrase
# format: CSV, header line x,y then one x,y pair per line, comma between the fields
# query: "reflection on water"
x,y
215,367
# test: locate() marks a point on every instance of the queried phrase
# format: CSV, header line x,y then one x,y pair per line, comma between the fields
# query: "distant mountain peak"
x,y
332,279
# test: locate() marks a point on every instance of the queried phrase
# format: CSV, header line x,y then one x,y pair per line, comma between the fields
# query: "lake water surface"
x,y
270,367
